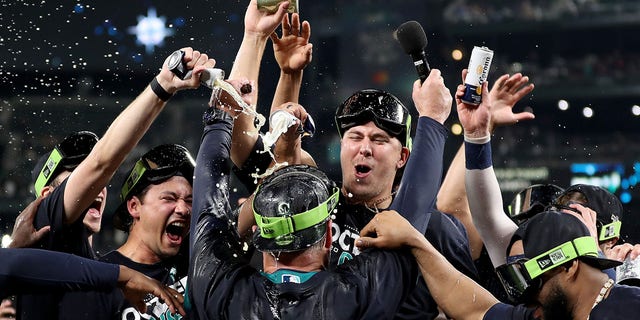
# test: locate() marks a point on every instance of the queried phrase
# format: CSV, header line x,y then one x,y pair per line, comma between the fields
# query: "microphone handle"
x,y
422,66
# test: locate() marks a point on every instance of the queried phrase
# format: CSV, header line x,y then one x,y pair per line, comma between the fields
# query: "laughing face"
x,y
369,158
161,217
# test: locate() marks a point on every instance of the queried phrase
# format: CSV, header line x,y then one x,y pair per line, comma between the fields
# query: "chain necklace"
x,y
377,202
605,288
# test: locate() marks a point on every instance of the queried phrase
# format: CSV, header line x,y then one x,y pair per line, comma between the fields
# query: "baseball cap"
x,y
66,155
291,208
606,205
381,107
154,167
550,239
532,200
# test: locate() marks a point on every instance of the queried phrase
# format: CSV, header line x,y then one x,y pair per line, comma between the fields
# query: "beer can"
x,y
477,74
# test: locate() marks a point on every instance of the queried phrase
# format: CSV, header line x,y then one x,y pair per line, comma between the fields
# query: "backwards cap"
x,y
291,208
154,167
606,205
383,108
66,155
550,239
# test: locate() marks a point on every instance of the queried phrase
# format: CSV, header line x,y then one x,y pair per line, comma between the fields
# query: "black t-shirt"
x,y
164,272
74,239
623,302
503,311
445,232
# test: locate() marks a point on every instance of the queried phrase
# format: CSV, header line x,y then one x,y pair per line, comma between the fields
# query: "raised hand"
x,y
474,119
292,51
432,98
195,61
262,23
505,93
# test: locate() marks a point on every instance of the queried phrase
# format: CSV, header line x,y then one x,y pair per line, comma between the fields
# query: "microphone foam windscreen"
x,y
411,37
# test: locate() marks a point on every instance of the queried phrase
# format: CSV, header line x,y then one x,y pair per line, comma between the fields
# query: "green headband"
x,y
273,227
138,171
408,141
583,246
610,231
47,171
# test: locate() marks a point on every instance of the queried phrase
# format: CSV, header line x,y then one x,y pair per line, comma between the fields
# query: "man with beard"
x,y
536,249
559,272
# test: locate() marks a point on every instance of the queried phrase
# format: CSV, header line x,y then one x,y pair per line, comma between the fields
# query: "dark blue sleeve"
x,y
211,174
257,162
40,271
214,247
611,272
503,311
422,176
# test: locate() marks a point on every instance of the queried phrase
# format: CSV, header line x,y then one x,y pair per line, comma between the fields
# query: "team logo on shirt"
x,y
156,310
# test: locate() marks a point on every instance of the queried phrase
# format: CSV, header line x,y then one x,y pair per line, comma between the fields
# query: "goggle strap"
x,y
272,227
138,171
610,231
408,140
583,246
50,166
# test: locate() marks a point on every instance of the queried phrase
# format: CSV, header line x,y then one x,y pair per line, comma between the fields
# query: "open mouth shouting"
x,y
362,171
94,209
176,231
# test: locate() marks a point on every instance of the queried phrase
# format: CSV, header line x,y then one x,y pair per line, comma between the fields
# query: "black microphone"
x,y
413,41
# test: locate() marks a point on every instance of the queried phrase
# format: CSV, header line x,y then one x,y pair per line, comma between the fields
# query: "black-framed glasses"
x,y
67,154
160,163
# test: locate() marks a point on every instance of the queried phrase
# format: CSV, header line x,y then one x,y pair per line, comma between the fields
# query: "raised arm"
x,y
421,178
293,52
456,294
452,197
483,191
92,175
258,26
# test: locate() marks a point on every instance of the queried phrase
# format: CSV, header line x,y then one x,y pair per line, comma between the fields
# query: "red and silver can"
x,y
477,74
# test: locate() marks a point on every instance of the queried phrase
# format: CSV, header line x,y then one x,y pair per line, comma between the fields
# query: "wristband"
x,y
159,90
477,156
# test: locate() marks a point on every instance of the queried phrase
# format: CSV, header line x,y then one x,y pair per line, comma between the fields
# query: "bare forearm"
x,y
108,154
288,89
246,66
452,199
449,287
